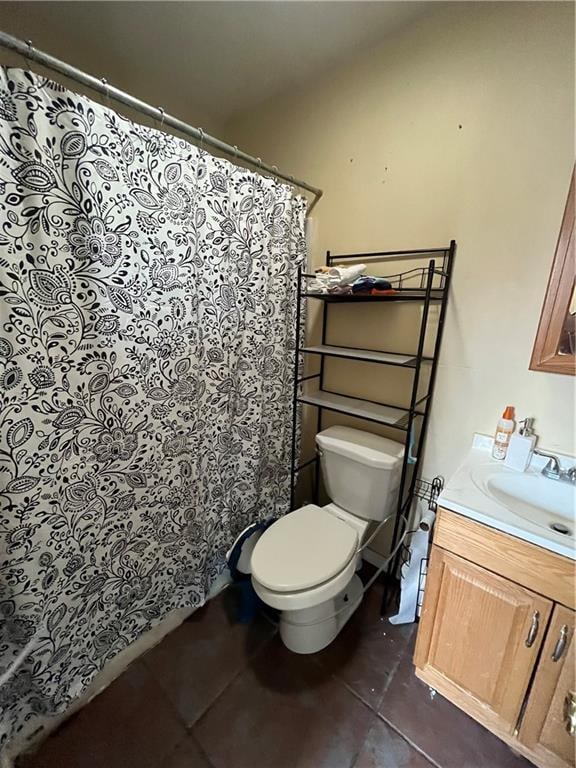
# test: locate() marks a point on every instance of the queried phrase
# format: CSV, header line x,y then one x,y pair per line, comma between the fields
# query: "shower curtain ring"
x,y
201,132
162,115
28,55
106,85
235,152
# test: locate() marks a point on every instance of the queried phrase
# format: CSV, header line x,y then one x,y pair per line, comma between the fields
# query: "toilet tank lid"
x,y
364,447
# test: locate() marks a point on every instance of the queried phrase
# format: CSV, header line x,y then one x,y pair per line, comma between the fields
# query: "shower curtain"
x,y
147,320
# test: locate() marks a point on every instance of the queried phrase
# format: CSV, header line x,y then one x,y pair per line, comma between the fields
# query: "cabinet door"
x,y
545,727
478,639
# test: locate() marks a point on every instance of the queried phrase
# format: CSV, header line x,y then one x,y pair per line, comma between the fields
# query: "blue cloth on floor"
x,y
249,604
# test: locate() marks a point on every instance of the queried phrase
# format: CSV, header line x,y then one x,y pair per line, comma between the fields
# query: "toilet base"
x,y
310,629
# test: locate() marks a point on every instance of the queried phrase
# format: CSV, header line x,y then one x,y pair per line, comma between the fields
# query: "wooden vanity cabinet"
x,y
494,639
545,726
482,633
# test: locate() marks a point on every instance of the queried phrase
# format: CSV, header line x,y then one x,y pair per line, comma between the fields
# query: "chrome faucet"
x,y
554,471
552,468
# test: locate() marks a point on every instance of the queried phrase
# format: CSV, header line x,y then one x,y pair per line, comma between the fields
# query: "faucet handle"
x,y
552,467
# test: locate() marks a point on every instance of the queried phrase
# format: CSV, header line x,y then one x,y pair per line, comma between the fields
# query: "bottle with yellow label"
x,y
504,431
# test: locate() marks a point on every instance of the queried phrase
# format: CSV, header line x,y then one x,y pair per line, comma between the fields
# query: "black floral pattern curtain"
x,y
147,321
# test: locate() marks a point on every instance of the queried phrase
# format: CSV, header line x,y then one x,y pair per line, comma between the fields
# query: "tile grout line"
x,y
204,712
408,741
376,711
187,735
201,749
241,669
370,709
394,727
359,698
354,693
346,685
189,726
171,706
389,681
376,707
190,729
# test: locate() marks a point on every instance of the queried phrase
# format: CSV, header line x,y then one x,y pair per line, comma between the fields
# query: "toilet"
x,y
305,564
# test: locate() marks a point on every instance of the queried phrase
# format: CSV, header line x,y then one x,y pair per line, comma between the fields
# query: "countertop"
x,y
466,494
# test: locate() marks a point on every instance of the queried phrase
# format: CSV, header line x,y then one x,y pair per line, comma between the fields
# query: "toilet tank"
x,y
361,471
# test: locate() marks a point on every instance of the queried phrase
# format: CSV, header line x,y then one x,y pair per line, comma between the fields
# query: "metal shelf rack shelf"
x,y
389,415
432,285
367,355
403,294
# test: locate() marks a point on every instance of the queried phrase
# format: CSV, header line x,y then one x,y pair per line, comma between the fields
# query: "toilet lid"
x,y
302,550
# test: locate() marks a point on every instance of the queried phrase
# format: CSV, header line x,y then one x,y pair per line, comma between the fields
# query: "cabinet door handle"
x,y
570,712
560,646
533,631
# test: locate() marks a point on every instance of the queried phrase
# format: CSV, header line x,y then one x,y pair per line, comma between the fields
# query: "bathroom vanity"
x,y
496,636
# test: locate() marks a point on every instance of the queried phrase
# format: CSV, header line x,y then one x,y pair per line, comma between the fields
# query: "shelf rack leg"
x,y
293,458
402,502
321,386
447,267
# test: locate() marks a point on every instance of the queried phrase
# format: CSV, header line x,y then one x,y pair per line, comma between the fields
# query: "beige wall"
x,y
461,127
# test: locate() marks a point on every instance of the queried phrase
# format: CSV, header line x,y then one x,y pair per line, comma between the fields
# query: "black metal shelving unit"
x,y
427,284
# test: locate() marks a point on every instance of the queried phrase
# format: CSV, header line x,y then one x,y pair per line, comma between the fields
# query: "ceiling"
x,y
205,61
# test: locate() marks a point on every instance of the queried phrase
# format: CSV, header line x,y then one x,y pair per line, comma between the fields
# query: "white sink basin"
x,y
549,503
524,504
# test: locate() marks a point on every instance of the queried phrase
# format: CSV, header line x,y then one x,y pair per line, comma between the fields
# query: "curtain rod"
x,y
27,50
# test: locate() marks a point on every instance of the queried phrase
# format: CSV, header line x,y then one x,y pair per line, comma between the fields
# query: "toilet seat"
x,y
304,558
302,550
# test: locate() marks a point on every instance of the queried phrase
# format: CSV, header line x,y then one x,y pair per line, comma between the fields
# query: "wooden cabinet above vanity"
x,y
496,636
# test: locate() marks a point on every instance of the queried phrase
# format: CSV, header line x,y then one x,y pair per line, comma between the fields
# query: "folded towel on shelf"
x,y
346,280
341,289
334,277
345,275
317,286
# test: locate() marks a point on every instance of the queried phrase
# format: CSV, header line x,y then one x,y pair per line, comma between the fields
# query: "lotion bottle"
x,y
504,431
521,447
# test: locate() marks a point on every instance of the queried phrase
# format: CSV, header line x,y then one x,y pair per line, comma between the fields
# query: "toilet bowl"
x,y
304,564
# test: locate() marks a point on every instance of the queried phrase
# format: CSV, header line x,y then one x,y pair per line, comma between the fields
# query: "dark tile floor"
x,y
216,694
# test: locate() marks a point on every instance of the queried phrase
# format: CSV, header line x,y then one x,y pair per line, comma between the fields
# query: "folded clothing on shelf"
x,y
331,278
372,285
349,280
341,289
